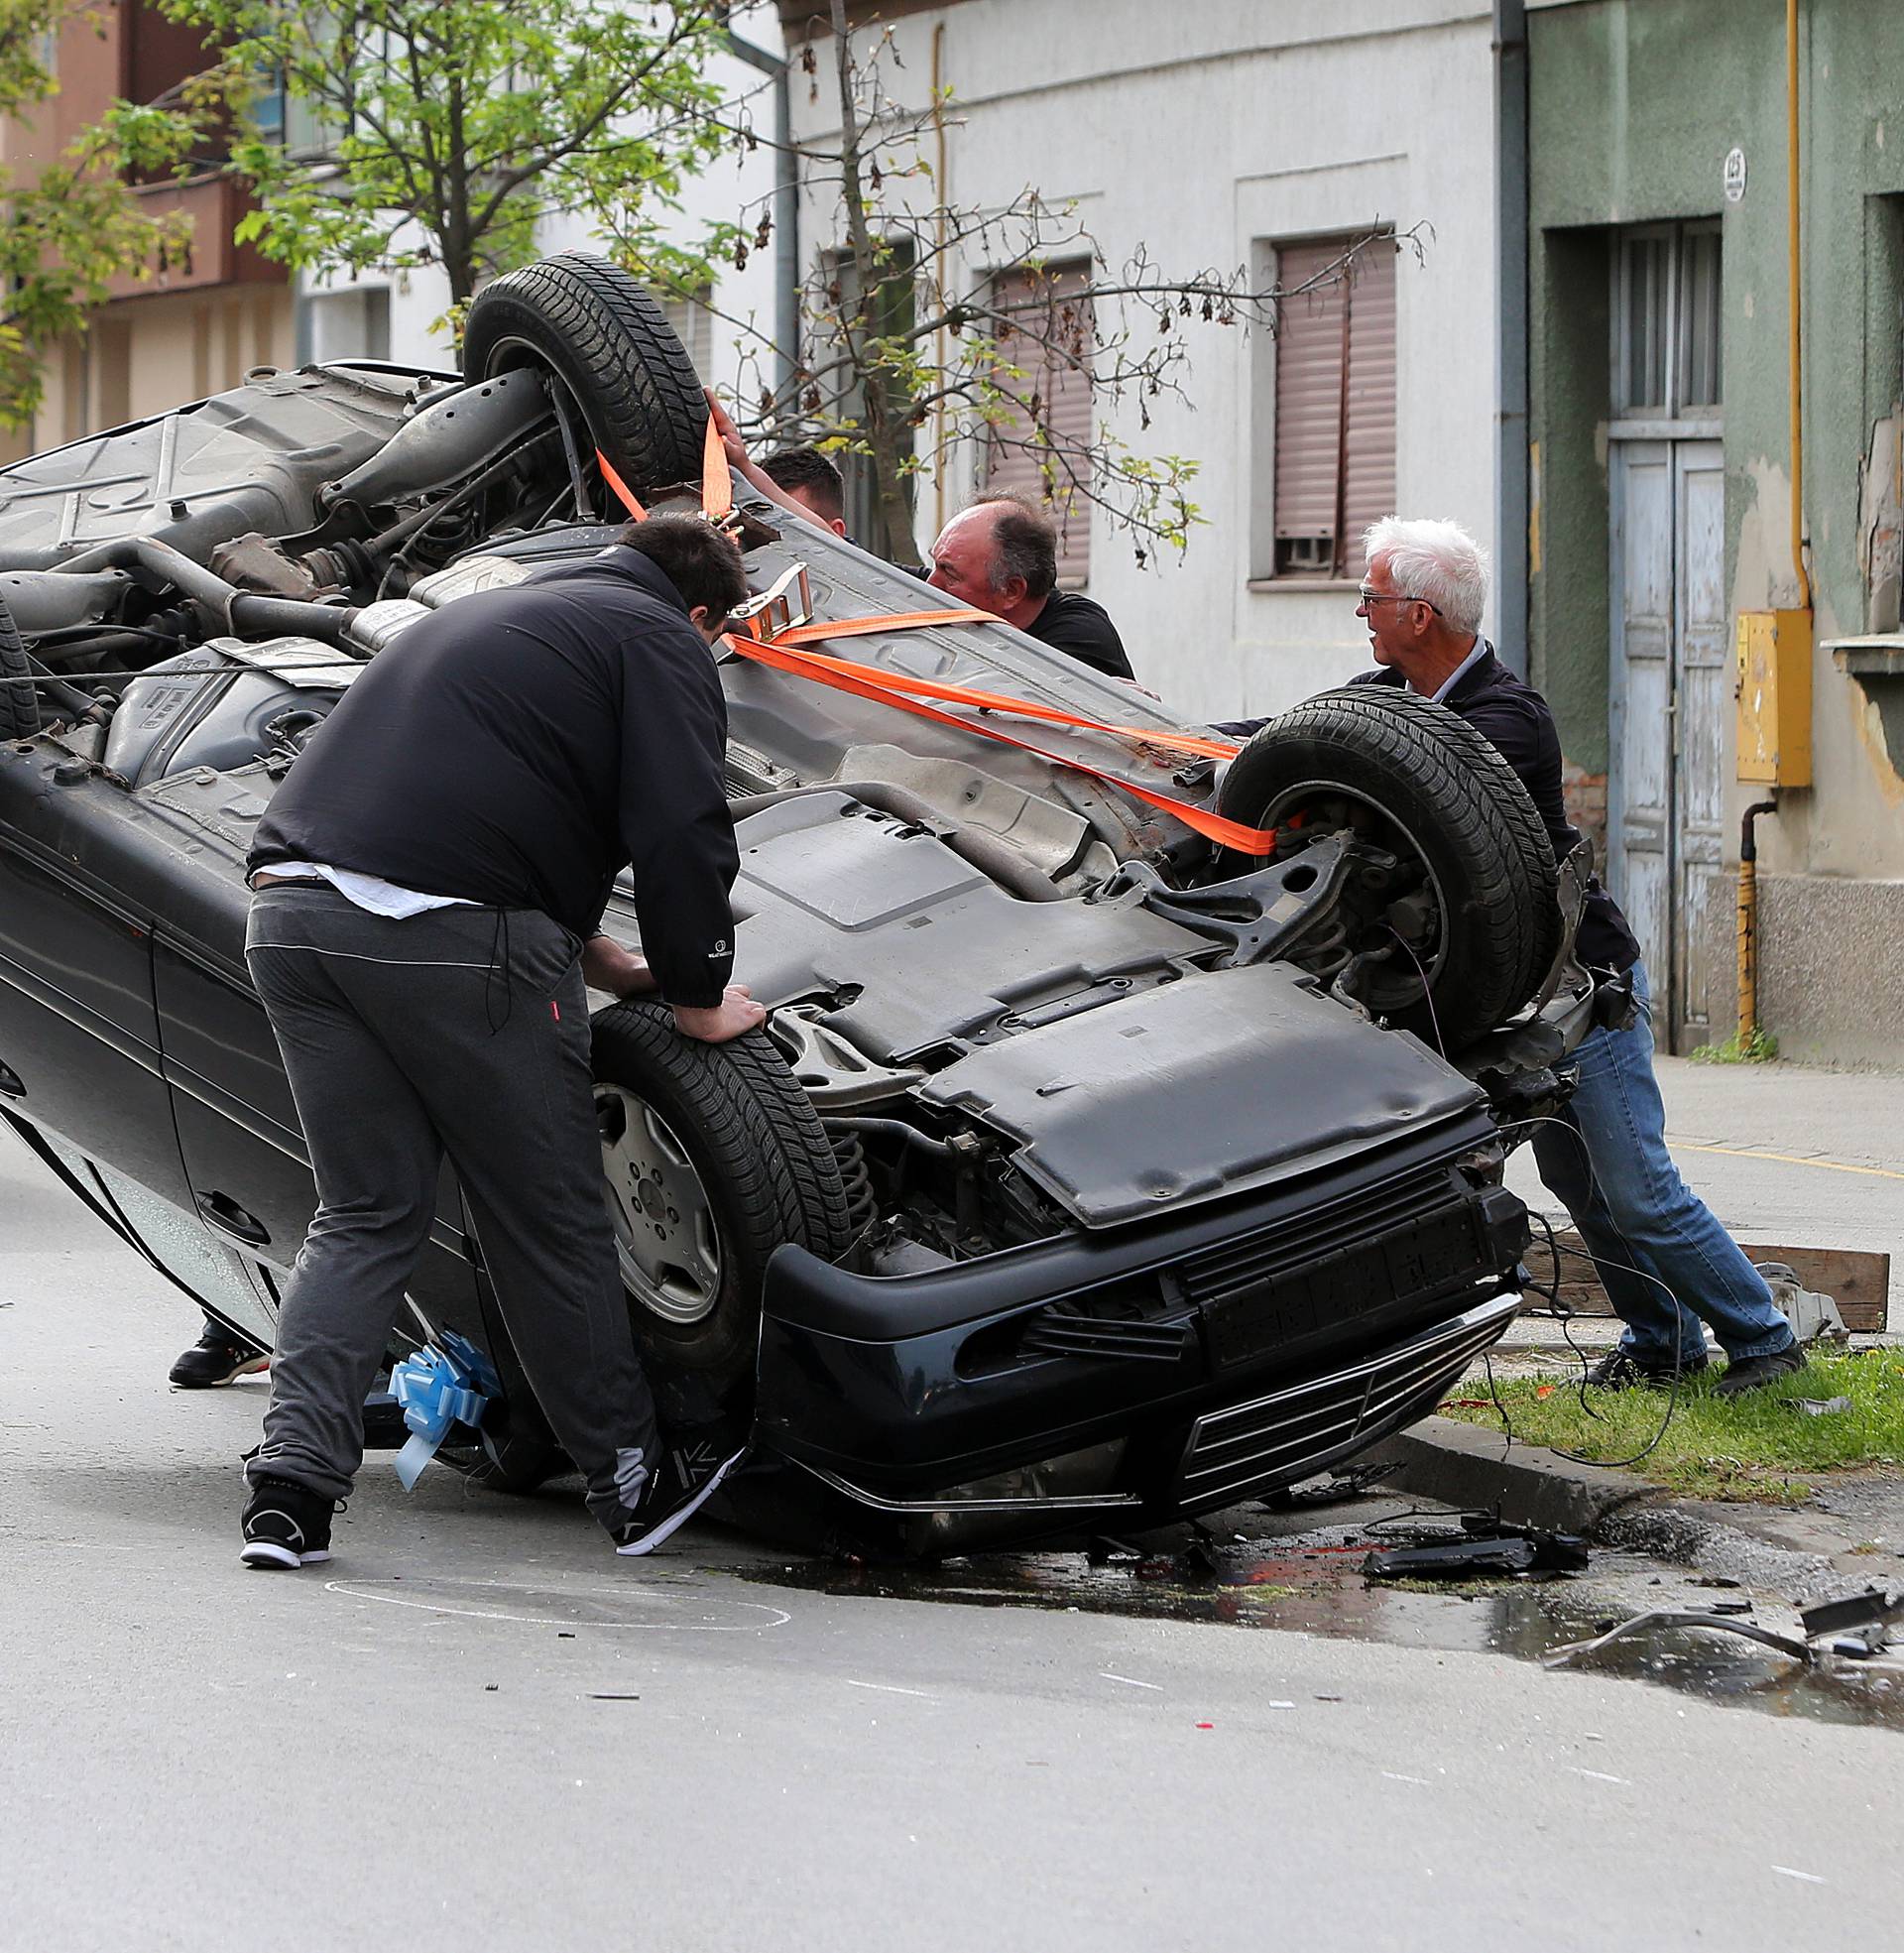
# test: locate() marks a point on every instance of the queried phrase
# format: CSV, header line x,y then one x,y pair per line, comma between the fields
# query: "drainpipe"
x,y
939,218
1794,346
786,224
1793,337
1749,924
1512,489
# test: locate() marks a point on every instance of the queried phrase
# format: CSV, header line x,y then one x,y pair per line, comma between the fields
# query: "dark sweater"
x,y
519,747
1082,630
1516,721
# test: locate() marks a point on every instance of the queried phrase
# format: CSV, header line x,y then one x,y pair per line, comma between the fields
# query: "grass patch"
x,y
1762,1047
1758,1447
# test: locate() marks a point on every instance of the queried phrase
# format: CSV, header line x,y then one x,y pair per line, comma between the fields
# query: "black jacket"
x,y
1516,721
517,747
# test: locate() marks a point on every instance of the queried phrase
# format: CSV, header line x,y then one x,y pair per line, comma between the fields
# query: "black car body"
x,y
1150,1210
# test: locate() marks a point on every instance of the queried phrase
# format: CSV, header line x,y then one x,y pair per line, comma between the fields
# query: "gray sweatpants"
x,y
459,1031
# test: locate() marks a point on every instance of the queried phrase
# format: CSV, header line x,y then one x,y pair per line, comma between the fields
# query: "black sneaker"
x,y
286,1524
1754,1373
1622,1371
216,1358
689,1476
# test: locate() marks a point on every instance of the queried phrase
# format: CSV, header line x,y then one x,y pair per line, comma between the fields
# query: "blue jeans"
x,y
1606,1161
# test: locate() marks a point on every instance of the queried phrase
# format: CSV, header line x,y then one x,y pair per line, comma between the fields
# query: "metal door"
x,y
1666,820
1641,809
1701,699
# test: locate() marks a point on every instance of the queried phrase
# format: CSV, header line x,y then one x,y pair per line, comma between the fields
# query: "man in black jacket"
x,y
1659,1251
429,886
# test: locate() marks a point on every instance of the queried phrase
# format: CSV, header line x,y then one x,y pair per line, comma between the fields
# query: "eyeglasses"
x,y
1367,597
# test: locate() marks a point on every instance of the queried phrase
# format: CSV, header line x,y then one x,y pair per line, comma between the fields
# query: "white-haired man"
x,y
1652,1239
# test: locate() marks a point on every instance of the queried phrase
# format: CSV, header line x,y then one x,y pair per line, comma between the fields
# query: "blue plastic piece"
x,y
438,1388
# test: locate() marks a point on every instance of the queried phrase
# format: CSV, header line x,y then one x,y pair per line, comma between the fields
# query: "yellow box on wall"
x,y
1774,694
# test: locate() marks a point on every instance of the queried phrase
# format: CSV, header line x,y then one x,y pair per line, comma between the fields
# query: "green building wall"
x,y
1633,107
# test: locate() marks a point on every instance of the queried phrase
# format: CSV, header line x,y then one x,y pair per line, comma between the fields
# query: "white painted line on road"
x,y
886,1688
1130,1681
1810,1878
777,1617
1395,1777
1600,1776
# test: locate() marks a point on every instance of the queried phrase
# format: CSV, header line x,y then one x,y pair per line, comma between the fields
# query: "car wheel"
x,y
1458,934
19,698
713,1157
624,371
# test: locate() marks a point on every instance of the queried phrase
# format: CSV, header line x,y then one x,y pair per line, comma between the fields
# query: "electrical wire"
x,y
1681,1315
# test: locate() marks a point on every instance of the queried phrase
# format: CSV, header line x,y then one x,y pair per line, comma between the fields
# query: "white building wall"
x,y
1200,129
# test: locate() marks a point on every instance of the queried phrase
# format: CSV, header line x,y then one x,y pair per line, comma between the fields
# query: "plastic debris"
x,y
1819,1407
438,1388
1455,1559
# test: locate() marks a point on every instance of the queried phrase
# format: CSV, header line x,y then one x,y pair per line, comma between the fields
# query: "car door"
x,y
81,1069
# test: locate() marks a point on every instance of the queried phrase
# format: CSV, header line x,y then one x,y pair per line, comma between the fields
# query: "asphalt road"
x,y
478,1727
1783,1152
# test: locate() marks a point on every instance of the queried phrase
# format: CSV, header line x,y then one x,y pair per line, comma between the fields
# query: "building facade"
x,y
192,328
1265,134
1662,431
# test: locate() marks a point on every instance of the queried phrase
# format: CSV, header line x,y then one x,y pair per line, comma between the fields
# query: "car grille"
x,y
1287,1435
1056,1332
1308,1238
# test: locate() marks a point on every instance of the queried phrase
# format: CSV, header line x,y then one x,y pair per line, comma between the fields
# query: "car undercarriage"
x,y
1087,1164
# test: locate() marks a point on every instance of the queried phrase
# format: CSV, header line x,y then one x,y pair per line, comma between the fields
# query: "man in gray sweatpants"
x,y
428,884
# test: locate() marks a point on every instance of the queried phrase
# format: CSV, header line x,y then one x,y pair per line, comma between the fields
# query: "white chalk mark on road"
x,y
887,1688
1810,1878
1395,1777
1600,1776
1130,1681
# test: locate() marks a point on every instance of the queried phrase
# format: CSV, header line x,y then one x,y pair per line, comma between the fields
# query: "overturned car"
x,y
1119,1144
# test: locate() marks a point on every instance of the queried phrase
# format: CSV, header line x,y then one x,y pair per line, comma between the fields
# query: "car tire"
x,y
1463,808
1527,830
728,1127
619,358
19,696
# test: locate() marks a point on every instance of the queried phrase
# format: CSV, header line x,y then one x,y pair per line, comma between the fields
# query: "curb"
x,y
1463,1465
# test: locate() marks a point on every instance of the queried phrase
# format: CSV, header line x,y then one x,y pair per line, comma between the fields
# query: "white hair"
x,y
1438,561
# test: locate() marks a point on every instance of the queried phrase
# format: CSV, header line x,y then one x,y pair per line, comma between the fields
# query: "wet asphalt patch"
x,y
1314,1585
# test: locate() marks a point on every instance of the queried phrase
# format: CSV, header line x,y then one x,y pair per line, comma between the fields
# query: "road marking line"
x,y
1810,1878
886,1688
1785,1158
1130,1681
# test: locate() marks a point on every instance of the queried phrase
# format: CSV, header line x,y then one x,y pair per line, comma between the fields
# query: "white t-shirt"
x,y
379,897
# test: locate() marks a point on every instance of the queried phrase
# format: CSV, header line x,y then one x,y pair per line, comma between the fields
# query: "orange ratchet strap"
x,y
784,653
867,682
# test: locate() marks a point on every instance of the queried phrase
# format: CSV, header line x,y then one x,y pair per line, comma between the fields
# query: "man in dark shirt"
x,y
1001,554
430,882
1655,1244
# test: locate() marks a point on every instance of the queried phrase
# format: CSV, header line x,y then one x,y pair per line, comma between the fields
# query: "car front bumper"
x,y
1161,1370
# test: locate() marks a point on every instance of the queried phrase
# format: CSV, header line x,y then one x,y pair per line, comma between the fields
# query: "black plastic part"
x,y
1455,1559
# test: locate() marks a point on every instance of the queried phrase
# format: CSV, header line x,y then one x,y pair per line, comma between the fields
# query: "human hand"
x,y
606,965
716,1024
730,434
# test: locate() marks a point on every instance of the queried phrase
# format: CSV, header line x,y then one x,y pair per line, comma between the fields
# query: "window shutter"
x,y
1335,460
1057,378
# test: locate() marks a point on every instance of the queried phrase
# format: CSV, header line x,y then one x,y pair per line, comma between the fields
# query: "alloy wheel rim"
x,y
666,1241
